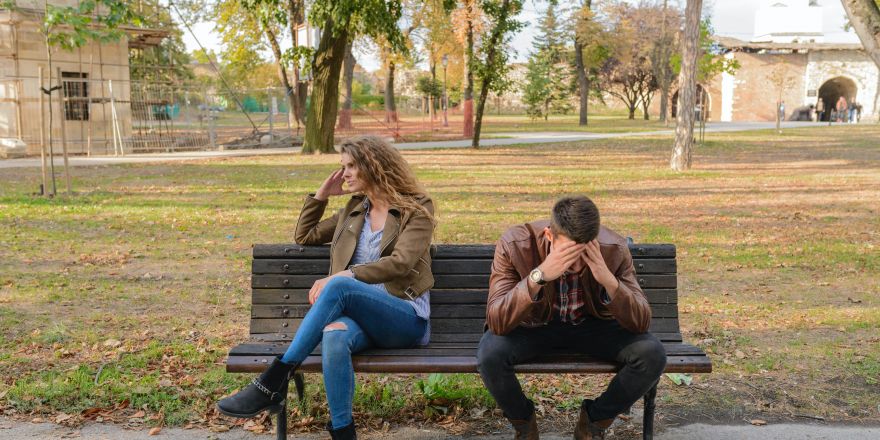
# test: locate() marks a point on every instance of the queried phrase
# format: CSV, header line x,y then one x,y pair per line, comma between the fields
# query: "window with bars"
x,y
76,96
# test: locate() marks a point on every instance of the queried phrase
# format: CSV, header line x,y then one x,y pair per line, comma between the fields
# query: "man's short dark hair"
x,y
576,218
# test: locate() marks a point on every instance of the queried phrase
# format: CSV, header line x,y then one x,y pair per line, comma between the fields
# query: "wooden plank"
x,y
464,364
652,250
665,337
436,349
290,250
321,266
275,281
292,267
438,311
439,325
442,251
644,266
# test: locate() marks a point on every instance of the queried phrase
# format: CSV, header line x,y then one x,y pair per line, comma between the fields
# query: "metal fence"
x,y
118,117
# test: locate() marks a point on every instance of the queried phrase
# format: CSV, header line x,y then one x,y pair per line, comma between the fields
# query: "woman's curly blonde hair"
x,y
385,170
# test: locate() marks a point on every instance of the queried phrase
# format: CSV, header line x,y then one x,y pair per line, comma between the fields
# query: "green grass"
x,y
778,252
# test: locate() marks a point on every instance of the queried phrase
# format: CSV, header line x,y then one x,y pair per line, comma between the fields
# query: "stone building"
x,y
90,115
791,58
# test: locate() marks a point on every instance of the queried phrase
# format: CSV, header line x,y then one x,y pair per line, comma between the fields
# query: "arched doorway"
x,y
702,97
833,89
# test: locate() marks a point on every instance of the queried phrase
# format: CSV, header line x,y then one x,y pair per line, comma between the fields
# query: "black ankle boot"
x,y
344,433
267,392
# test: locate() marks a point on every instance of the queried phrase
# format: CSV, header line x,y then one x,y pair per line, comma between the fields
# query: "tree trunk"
x,y
583,82
687,94
390,105
324,100
664,104
645,105
347,79
494,43
583,85
282,73
632,111
298,93
467,101
864,15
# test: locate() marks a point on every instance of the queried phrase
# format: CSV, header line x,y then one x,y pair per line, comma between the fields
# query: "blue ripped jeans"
x,y
371,318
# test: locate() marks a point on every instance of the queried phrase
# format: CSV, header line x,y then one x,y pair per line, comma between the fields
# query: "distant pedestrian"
x,y
820,110
782,110
841,108
852,112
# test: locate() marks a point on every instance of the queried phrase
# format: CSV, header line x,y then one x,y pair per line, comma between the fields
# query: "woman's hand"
x,y
318,287
332,186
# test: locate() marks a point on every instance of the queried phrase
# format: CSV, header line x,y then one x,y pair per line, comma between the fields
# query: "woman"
x,y
377,293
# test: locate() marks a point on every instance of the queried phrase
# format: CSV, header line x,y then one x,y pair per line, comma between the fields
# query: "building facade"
x,y
91,109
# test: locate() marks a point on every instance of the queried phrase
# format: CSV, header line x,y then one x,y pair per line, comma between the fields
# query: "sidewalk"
x,y
10,430
501,139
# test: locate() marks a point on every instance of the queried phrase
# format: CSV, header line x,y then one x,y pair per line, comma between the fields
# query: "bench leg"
x,y
299,382
648,422
281,423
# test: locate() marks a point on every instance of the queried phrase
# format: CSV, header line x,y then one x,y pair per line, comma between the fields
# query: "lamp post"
x,y
445,62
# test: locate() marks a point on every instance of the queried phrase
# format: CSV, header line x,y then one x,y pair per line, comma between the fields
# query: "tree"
x,y
582,18
347,80
392,57
341,20
780,78
661,53
592,50
493,63
864,16
548,81
468,25
628,74
684,128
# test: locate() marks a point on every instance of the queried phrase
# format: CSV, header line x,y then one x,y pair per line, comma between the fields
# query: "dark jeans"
x,y
643,358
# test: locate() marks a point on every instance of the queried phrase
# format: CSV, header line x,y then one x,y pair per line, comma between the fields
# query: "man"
x,y
567,283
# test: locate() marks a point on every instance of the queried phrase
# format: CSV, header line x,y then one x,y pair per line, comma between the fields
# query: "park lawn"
x,y
120,303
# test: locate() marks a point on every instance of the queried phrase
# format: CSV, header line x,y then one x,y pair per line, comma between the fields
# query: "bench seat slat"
x,y
445,337
440,267
465,364
443,251
438,325
437,349
438,296
457,281
438,310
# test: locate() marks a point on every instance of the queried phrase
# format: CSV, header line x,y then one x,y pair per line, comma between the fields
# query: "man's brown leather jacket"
x,y
523,247
404,265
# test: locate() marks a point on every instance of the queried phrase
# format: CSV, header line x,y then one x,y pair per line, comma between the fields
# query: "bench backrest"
x,y
283,274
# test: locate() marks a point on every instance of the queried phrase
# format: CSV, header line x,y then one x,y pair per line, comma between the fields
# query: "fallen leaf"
x,y
138,415
112,343
155,430
739,354
758,422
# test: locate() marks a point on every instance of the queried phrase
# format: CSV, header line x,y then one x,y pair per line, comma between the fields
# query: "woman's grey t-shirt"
x,y
368,251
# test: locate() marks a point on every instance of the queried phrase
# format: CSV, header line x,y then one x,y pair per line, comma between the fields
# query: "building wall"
x,y
23,53
852,64
754,92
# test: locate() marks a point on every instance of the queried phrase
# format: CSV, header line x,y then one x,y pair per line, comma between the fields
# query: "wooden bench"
x,y
283,274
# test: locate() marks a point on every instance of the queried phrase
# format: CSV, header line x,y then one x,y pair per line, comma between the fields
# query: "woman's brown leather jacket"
x,y
404,265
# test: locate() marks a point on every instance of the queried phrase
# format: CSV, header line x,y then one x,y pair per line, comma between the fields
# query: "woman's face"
x,y
350,174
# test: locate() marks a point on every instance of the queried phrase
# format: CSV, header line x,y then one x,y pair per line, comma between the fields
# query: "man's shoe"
x,y
525,429
344,433
589,430
266,392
